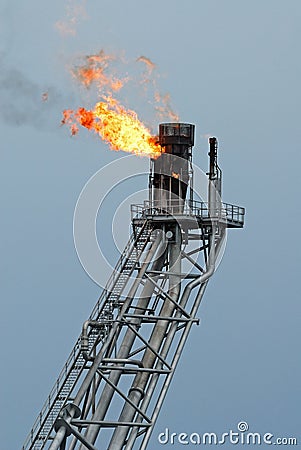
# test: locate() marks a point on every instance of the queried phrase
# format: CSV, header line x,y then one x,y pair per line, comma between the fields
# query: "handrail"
x,y
227,211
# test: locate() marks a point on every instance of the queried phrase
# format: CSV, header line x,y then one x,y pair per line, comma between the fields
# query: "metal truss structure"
x,y
111,389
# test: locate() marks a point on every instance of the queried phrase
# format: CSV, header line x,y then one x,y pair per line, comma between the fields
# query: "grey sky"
x,y
233,68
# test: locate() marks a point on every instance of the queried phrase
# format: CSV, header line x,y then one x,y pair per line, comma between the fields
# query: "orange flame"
x,y
94,71
119,127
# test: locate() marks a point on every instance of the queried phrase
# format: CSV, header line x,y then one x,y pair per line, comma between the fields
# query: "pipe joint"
x,y
137,389
85,337
67,413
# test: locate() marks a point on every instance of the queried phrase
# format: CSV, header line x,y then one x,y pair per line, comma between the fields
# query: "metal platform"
x,y
194,214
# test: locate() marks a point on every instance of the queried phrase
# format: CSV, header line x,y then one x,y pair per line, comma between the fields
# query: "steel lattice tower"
x,y
111,389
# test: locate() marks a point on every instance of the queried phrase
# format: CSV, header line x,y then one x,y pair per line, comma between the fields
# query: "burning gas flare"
x,y
114,123
119,127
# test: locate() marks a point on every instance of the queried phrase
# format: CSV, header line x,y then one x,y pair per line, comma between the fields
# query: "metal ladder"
x,y
103,310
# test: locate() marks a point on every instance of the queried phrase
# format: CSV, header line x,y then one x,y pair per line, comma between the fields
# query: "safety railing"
x,y
220,210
